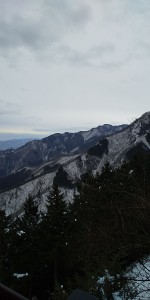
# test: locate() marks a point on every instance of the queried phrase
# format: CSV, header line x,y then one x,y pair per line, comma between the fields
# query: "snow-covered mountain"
x,y
20,165
67,169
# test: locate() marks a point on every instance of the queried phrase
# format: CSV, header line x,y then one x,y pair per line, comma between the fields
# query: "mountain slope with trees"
x,y
68,169
71,245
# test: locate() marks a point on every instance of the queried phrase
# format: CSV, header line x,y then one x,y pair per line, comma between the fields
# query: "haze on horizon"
x,y
72,65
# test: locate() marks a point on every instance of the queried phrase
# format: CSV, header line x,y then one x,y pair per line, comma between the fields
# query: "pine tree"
x,y
30,219
53,228
83,252
24,254
56,212
28,234
4,245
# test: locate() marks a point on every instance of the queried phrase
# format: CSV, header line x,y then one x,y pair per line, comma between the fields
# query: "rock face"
x,y
67,169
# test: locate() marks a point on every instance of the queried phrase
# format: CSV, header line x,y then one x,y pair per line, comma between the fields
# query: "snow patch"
x,y
17,275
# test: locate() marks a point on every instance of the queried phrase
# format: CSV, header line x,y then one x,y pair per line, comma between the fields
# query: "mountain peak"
x,y
145,117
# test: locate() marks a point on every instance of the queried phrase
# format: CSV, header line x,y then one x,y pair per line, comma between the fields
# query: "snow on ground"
x,y
90,133
139,279
138,282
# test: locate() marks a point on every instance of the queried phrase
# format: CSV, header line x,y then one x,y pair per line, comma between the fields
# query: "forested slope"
x,y
107,227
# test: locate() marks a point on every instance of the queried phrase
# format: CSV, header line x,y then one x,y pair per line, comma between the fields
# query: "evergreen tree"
x,y
106,227
107,223
4,246
29,220
83,252
24,252
54,236
56,212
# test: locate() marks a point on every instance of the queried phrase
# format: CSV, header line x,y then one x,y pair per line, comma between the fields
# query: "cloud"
x,y
89,57
9,108
41,129
9,112
38,25
46,29
65,31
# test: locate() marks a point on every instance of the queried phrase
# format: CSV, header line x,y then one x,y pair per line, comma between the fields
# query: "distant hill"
x,y
14,144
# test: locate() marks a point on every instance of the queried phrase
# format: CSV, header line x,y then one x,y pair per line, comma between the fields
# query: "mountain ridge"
x,y
35,153
114,149
14,143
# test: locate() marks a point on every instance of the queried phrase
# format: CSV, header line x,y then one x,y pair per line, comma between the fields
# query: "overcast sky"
x,y
69,65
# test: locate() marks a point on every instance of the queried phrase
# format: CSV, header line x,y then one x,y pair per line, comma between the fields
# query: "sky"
x,y
70,65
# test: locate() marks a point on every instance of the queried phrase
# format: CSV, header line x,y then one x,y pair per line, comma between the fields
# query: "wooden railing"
x,y
8,294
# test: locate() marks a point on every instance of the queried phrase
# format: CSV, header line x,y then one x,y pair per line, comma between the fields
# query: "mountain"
x,y
23,163
14,144
88,152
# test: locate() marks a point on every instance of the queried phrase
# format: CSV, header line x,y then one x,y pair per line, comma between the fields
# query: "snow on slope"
x,y
100,131
117,146
91,133
12,201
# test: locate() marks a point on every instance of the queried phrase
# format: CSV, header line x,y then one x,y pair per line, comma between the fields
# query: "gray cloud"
x,y
139,7
9,108
40,27
9,112
21,34
66,54
44,27
41,129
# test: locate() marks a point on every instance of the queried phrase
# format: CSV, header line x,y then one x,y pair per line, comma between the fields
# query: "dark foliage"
x,y
138,150
61,178
4,236
107,227
99,149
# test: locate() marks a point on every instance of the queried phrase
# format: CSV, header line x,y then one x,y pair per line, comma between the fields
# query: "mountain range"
x,y
23,163
31,169
14,144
